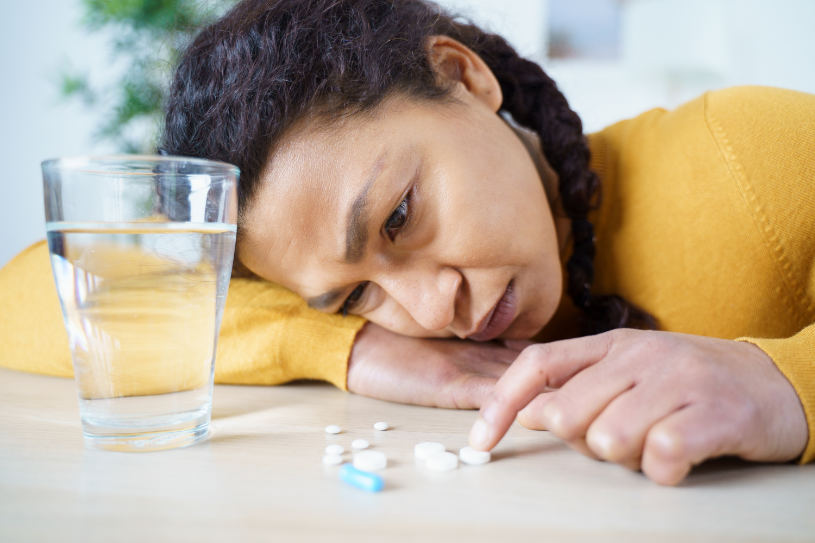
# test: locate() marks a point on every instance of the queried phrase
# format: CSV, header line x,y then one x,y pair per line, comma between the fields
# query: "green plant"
x,y
147,37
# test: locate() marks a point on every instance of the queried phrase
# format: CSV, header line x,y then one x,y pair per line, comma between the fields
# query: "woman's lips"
x,y
498,319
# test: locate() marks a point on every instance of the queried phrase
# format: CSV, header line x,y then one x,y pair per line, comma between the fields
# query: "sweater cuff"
x,y
269,336
795,358
329,346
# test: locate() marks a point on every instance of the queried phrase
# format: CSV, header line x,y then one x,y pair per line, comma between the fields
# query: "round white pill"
x,y
359,444
474,457
442,461
425,449
332,429
370,460
381,426
335,450
332,459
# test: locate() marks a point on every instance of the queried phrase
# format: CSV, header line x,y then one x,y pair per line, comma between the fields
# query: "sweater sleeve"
x,y
268,334
767,138
795,357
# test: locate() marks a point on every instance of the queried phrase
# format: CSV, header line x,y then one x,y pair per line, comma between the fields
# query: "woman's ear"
x,y
456,63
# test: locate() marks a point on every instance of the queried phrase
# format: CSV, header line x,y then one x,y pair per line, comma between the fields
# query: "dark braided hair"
x,y
267,64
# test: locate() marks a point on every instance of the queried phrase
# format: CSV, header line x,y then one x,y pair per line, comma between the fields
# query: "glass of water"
x,y
141,250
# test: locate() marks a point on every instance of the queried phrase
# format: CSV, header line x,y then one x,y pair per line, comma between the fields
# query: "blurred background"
x,y
86,76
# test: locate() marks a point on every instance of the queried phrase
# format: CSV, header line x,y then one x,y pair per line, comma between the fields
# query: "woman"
x,y
413,170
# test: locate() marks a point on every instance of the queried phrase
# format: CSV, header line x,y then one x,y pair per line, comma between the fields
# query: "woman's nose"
x,y
428,295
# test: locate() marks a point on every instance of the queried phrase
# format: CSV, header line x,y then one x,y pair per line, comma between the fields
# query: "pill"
x,y
361,478
474,457
426,448
335,450
359,444
333,429
442,461
370,460
381,426
332,459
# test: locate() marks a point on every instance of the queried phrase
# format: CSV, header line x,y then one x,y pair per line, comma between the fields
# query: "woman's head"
x,y
376,171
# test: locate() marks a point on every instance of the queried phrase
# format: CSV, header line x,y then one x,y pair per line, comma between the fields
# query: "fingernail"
x,y
480,435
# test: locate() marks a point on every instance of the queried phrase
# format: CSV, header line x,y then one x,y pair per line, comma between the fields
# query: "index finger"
x,y
539,366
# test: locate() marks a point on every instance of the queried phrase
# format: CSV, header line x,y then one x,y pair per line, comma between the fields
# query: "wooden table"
x,y
260,477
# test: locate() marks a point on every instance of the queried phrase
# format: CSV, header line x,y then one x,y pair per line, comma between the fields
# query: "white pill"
x,y
370,460
381,426
332,429
335,450
425,449
442,461
474,457
332,459
359,444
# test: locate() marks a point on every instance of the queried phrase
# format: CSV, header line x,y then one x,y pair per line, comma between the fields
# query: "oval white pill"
x,y
370,460
332,459
427,448
474,457
359,444
335,449
333,429
442,461
381,426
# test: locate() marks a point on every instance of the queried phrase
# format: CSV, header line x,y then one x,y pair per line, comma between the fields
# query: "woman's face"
x,y
428,218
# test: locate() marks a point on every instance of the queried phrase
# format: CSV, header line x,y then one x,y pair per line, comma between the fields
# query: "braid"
x,y
533,100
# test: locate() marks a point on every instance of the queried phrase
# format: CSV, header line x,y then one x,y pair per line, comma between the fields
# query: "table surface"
x,y
260,477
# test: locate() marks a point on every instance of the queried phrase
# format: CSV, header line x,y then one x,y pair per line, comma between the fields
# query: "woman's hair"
x,y
267,64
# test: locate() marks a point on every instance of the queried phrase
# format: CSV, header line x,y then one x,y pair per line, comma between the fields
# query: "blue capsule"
x,y
361,479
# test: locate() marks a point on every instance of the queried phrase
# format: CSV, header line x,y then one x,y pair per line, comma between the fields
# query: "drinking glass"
x,y
141,250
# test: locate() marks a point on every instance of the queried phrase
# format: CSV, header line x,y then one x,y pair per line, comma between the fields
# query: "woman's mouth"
x,y
498,319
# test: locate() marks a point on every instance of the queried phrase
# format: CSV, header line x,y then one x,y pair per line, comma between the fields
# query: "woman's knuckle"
x,y
667,445
560,422
536,353
610,442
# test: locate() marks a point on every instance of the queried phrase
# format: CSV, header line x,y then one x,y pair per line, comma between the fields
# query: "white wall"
x,y
36,40
672,50
522,22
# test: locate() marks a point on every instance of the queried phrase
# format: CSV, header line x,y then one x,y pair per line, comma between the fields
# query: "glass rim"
x,y
93,163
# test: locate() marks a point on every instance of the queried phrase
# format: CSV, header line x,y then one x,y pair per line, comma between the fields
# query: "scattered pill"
x,y
359,444
335,450
474,457
333,429
381,426
332,459
427,448
361,478
442,461
370,460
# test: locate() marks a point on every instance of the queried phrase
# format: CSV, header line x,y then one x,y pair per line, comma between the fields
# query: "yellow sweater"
x,y
707,222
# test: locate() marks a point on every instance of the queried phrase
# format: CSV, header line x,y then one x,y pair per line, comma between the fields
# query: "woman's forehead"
x,y
307,192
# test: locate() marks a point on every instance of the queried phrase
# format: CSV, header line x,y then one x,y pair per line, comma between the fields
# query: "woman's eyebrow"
x,y
356,231
356,235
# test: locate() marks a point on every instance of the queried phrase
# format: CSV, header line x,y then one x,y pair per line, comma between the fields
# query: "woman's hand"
x,y
657,401
435,372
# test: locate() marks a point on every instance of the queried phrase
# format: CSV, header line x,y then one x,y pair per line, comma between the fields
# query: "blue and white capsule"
x,y
361,479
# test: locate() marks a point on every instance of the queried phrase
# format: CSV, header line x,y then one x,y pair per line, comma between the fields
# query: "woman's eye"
x,y
353,299
398,218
